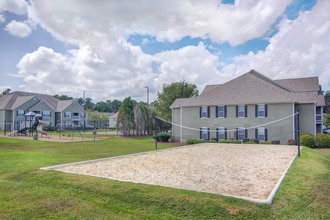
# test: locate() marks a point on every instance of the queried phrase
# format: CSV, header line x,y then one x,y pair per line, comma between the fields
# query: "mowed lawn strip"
x,y
26,192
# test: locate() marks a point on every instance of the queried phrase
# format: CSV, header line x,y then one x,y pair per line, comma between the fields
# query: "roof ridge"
x,y
267,79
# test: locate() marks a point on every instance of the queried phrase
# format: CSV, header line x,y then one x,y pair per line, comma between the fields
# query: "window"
x,y
67,114
261,134
221,112
204,112
222,133
241,133
241,111
46,114
20,113
204,133
261,110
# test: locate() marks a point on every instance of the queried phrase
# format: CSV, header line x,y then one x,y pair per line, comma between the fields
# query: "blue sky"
x,y
113,50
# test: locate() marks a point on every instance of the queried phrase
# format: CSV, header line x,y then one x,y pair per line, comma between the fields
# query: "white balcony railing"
x,y
319,118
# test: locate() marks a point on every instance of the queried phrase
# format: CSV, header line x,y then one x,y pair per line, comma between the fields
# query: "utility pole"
x,y
84,110
147,87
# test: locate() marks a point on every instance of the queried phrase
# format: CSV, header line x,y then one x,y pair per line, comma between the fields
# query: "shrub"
x,y
275,142
193,141
307,140
249,142
322,140
235,142
162,137
267,142
292,142
211,141
224,141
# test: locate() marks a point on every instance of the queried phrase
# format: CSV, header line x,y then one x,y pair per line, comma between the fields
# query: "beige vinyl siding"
x,y
306,121
191,119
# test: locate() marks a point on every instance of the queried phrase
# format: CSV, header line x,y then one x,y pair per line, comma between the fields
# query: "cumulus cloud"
x,y
107,66
299,49
15,6
18,29
168,20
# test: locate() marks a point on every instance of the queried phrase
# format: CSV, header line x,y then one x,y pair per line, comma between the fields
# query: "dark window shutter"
x,y
266,111
236,134
245,111
225,109
208,111
256,110
225,133
266,134
200,133
236,111
216,111
208,134
246,133
256,133
200,112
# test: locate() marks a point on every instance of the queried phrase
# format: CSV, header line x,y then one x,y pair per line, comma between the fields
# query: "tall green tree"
x,y
169,94
6,92
125,117
327,102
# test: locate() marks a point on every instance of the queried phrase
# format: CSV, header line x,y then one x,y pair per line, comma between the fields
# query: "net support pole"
x,y
156,137
298,133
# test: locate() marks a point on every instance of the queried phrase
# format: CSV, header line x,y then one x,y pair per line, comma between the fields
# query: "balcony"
x,y
76,118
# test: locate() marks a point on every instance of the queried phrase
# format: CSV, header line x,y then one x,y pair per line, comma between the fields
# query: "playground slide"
x,y
22,131
40,128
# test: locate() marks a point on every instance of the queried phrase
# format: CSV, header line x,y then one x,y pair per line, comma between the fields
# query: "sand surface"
x,y
239,170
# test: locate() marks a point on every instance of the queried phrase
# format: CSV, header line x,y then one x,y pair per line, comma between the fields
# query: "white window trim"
x,y
202,111
264,111
238,111
224,113
263,133
222,131
241,129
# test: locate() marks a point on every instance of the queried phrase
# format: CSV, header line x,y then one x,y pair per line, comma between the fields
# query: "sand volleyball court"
x,y
252,172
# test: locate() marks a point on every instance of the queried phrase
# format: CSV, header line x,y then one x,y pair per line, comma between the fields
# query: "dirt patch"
x,y
245,171
52,138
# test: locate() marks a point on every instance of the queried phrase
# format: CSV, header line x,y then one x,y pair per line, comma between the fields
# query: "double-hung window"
x,y
67,114
204,112
261,134
261,110
241,133
20,113
46,114
222,133
204,133
241,111
221,112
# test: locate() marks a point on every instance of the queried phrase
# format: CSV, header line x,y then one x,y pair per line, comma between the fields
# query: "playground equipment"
x,y
37,126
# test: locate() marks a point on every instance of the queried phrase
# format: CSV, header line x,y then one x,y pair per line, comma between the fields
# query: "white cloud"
x,y
18,29
108,67
14,6
2,18
300,49
167,20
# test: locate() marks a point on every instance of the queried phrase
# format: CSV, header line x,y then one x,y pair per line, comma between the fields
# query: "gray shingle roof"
x,y
15,99
255,88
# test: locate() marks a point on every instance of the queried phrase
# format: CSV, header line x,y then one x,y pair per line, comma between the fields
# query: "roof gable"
x,y
255,88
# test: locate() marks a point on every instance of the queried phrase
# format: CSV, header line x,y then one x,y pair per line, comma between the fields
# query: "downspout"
x,y
181,140
12,123
294,121
314,119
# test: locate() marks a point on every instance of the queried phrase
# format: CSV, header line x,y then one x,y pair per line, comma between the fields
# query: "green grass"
x,y
26,192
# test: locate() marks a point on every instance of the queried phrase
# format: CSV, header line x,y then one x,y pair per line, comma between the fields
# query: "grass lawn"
x,y
26,192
